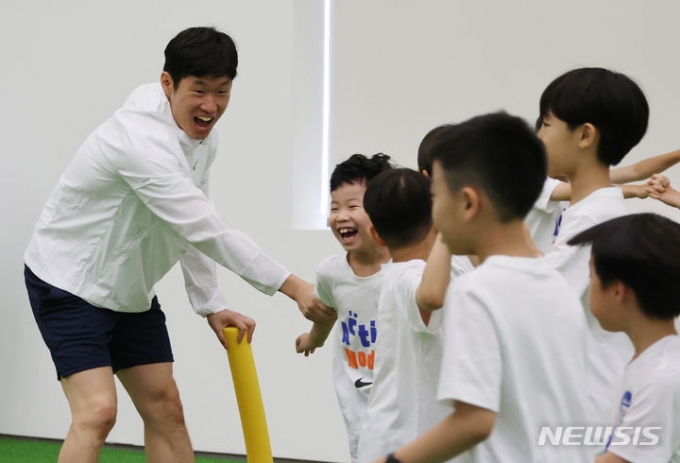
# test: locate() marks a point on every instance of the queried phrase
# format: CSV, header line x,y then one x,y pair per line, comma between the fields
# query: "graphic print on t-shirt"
x,y
359,354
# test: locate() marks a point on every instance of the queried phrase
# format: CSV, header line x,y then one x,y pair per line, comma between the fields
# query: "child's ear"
x,y
375,236
589,135
623,293
471,203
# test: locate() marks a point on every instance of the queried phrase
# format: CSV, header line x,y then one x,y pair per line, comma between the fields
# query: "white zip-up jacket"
x,y
134,201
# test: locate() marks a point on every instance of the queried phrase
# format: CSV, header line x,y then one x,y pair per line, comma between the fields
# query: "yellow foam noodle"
x,y
249,398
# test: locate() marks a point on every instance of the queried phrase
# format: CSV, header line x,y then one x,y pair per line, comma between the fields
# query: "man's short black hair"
x,y
643,252
609,100
500,154
359,168
399,204
201,52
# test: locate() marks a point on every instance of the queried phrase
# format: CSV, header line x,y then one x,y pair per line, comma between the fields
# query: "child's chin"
x,y
350,246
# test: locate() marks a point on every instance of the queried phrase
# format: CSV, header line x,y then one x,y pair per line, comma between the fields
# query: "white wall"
x,y
399,69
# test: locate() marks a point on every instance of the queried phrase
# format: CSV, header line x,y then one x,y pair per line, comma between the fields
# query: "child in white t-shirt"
x,y
590,118
544,219
402,402
635,268
510,366
349,282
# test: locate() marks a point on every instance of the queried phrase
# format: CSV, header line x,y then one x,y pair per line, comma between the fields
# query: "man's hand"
x,y
220,320
311,307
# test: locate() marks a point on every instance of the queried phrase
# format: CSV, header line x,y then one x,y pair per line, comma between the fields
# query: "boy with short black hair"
x,y
509,366
590,118
635,268
349,282
408,352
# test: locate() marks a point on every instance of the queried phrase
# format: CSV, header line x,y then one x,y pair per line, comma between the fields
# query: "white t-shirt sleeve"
x,y
471,369
655,404
543,203
324,286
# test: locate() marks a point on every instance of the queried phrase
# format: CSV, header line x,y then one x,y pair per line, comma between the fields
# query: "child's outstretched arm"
x,y
436,277
645,168
659,187
460,431
634,191
633,173
308,342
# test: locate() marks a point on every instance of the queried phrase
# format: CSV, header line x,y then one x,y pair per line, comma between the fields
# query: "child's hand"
x,y
304,344
656,185
639,191
659,187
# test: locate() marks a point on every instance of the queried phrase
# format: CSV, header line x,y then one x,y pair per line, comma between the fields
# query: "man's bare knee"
x,y
97,419
164,406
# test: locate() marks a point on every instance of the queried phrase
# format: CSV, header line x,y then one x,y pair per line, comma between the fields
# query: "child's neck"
x,y
414,251
367,262
508,239
644,332
588,179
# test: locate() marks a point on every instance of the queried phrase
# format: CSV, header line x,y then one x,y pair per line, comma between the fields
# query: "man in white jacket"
x,y
131,204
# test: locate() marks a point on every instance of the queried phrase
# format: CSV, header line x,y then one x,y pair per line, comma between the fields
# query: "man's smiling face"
x,y
197,103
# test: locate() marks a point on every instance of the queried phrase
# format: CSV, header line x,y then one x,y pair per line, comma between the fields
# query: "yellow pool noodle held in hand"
x,y
249,398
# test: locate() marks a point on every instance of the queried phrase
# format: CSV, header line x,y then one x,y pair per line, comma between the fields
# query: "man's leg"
x,y
91,395
153,390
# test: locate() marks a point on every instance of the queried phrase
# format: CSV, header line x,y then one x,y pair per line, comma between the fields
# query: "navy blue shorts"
x,y
81,336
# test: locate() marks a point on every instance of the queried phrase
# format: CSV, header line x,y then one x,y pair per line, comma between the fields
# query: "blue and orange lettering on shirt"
x,y
366,334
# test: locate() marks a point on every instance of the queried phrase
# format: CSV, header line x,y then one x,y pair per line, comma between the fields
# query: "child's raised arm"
x,y
436,277
633,173
645,168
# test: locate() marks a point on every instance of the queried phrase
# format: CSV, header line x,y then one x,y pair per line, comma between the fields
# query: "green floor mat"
x,y
30,451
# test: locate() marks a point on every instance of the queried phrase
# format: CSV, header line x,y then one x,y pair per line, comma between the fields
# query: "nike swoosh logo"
x,y
359,383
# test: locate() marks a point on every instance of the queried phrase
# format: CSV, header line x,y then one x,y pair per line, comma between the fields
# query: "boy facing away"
x,y
635,268
402,402
349,283
590,118
509,365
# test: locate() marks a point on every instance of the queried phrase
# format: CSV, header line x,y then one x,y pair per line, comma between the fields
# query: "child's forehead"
x,y
345,190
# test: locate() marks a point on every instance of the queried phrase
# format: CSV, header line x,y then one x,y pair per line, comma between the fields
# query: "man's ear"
x,y
588,136
375,236
167,83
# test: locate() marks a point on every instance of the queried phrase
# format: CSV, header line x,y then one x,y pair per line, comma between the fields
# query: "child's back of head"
x,y
399,205
425,149
499,154
608,100
643,252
